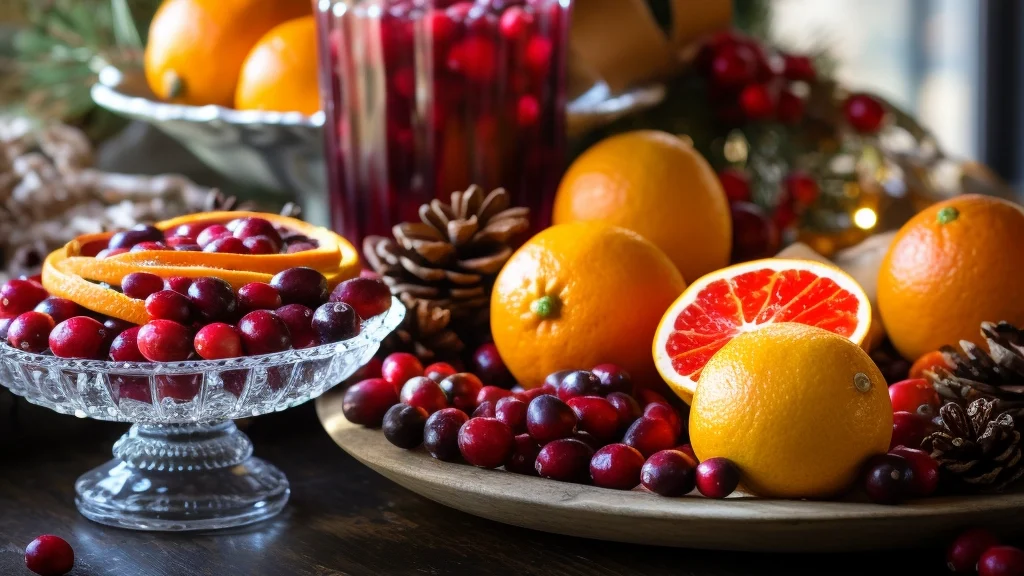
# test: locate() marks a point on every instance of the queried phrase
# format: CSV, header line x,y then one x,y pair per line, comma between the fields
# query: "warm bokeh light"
x,y
865,218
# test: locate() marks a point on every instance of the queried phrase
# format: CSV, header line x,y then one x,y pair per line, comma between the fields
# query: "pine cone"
x,y
977,445
444,266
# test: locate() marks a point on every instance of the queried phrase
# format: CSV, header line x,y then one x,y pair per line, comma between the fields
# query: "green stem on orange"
x,y
546,306
948,214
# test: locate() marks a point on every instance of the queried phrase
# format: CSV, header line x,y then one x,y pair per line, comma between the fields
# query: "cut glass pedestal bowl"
x,y
184,465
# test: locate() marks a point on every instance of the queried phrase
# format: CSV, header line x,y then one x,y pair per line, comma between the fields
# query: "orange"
x,y
747,297
658,186
798,409
280,72
577,295
196,47
953,266
928,363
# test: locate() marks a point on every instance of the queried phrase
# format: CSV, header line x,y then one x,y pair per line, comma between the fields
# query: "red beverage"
x,y
425,97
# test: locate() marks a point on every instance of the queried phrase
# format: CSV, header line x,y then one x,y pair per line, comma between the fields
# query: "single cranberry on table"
x,y
366,402
669,473
301,285
964,552
299,320
888,479
211,233
335,322
565,460
258,296
909,429
650,435
548,419
616,466
754,234
597,417
367,296
425,393
666,413
717,477
49,555
213,299
864,113
485,442
1001,561
487,364
484,410
400,367
79,337
125,347
138,234
165,341
30,332
512,411
403,425
218,341
169,305
925,468
626,406
613,379
916,396
438,371
579,383
461,389
263,332
441,433
20,296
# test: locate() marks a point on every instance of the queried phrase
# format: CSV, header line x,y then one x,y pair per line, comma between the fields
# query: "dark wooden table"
x,y
342,519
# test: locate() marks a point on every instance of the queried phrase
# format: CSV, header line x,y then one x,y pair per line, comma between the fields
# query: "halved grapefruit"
x,y
741,298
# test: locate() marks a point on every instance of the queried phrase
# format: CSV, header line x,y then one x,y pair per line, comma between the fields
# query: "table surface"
x,y
343,518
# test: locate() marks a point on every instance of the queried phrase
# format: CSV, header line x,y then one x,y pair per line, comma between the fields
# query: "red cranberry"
x,y
138,234
254,227
616,466
511,411
366,402
369,370
425,393
802,188
183,388
492,394
909,430
889,479
258,296
474,57
596,416
798,67
484,410
188,230
218,341
211,233
461,389
165,341
20,296
688,450
925,468
438,371
717,477
367,296
554,380
565,460
523,459
149,247
111,328
667,413
182,243
179,284
733,66
140,285
301,286
864,113
626,407
213,299
299,320
613,379
226,245
108,252
754,234
790,107
515,23
645,397
736,184
258,245
548,418
300,247
669,473
757,102
30,332
963,554
528,395
59,309
441,433
485,442
334,322
169,305
125,347
263,333
579,383
538,55
399,367
78,337
1001,561
527,110
649,435
916,396
49,555
403,425
487,363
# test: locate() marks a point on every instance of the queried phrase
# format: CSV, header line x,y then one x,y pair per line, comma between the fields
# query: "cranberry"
x,y
49,555
649,435
554,380
523,459
626,407
717,477
20,296
666,413
218,341
484,410
736,184
596,416
757,102
864,113
369,370
925,468
366,402
616,466
258,296
403,425
253,227
461,389
367,296
136,235
548,418
213,299
733,65
108,252
400,367
492,394
78,337
335,322
259,245
211,233
179,284
511,411
754,234
169,305
527,110
538,55
515,23
263,333
909,430
125,347
669,473
790,107
485,442
300,247
301,286
644,397
149,247
802,188
140,285
487,363
963,554
165,341
30,332
612,379
226,245
889,479
565,460
299,320
474,57
579,383
528,395
184,388
188,230
438,371
441,433
798,67
1001,561
916,396
688,450
425,393
111,328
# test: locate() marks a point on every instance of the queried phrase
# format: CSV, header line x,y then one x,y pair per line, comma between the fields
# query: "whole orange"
x,y
578,295
797,408
658,186
196,48
953,266
280,72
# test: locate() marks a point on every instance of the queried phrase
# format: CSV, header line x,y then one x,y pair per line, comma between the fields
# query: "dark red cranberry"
x,y
300,247
889,479
798,67
669,473
613,379
485,442
528,110
169,305
334,322
182,244
299,320
260,245
258,296
644,397
554,379
367,296
140,285
688,450
548,418
30,332
78,337
475,58
366,402
263,333
255,227
179,284
441,433
1001,561
487,364
565,460
650,435
512,411
864,113
218,341
301,286
403,425
400,367
484,410
461,389
626,407
226,245
108,252
20,296
916,396
733,66
523,459
60,309
757,102
438,371
149,247
665,412
187,230
125,347
425,393
579,383
184,388
963,554
165,341
49,555
616,466
802,188
111,328
596,416
736,184
492,394
754,234
926,470
211,233
528,395
138,234
717,477
213,299
909,429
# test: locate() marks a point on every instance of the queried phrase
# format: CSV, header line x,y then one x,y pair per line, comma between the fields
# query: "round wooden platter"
x,y
736,523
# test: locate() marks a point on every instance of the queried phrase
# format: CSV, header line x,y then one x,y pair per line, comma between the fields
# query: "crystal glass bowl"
x,y
184,465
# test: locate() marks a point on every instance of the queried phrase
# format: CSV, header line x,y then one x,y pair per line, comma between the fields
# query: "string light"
x,y
865,218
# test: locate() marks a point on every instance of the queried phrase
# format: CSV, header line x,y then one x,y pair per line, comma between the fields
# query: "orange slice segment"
x,y
88,294
745,297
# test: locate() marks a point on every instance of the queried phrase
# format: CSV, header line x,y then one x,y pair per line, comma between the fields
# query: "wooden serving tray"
x,y
736,523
